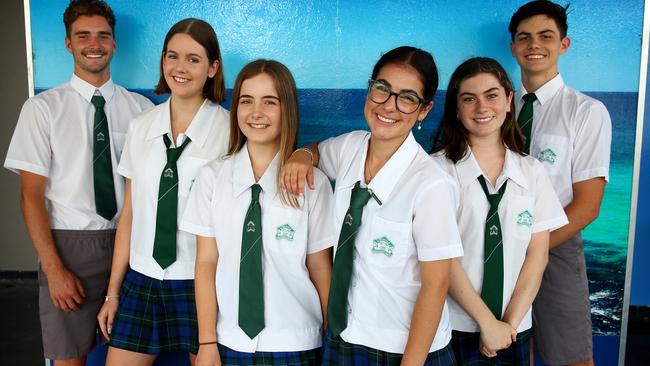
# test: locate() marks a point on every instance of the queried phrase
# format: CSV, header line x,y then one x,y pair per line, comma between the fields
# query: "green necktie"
x,y
105,203
492,290
164,244
337,315
525,119
251,287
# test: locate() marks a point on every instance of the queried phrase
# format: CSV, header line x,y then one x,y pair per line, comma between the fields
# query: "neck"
x,y
490,154
534,81
181,113
95,79
261,156
378,154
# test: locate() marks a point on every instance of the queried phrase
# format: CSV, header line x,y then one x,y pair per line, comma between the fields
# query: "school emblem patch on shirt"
x,y
494,230
383,245
285,232
250,227
168,173
548,156
525,219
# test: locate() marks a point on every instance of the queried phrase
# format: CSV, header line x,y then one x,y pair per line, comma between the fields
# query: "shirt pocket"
x,y
189,168
520,217
284,230
553,152
390,242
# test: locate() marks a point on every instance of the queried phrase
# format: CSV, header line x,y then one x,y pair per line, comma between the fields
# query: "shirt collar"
x,y
546,91
243,177
197,130
384,182
468,170
87,90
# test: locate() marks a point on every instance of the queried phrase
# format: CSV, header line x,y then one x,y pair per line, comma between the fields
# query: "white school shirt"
x,y
144,158
415,222
571,136
217,208
54,139
529,205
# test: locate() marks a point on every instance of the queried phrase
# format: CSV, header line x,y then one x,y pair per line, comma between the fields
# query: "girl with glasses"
x,y
395,213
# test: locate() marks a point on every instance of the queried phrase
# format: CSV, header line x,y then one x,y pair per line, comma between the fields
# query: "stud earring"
x,y
419,125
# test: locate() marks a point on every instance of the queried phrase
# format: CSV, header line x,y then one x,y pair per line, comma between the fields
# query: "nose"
x,y
481,105
257,111
391,103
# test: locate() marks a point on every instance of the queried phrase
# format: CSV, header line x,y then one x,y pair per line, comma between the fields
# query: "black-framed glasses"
x,y
406,101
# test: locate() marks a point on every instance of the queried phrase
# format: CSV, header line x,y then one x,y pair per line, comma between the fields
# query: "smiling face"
x,y
259,111
91,44
537,45
186,67
386,122
482,106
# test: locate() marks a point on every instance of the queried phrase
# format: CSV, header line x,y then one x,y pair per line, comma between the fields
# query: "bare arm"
x,y
319,265
205,269
427,311
120,264
66,291
582,211
299,168
495,334
530,277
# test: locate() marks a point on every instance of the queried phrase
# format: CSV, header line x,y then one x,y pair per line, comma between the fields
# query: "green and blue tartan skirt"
x,y
230,357
155,316
336,351
466,350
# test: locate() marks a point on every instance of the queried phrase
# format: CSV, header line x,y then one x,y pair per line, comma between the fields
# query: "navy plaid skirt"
x,y
336,351
230,357
465,346
155,316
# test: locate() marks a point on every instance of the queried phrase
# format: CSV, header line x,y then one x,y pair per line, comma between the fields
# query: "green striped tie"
x,y
337,315
251,287
164,244
105,202
492,290
525,119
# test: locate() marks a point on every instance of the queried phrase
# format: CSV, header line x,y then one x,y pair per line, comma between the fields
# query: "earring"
x,y
419,125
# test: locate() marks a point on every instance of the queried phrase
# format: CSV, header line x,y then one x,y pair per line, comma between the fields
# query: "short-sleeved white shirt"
x,y
143,160
572,135
53,138
217,208
529,205
414,222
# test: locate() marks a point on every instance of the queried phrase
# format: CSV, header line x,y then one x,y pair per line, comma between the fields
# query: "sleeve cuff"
x,y
320,245
196,229
17,165
591,173
550,225
434,254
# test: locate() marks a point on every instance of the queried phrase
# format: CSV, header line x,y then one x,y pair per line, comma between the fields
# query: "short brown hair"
x,y
78,8
202,32
285,86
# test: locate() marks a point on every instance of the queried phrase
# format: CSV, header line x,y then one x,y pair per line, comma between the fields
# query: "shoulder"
x,y
142,121
217,169
348,140
430,171
584,105
217,110
442,161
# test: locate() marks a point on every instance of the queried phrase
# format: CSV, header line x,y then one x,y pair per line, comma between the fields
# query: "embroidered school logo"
x,y
348,220
285,232
494,230
250,227
383,245
168,173
547,155
525,219
100,137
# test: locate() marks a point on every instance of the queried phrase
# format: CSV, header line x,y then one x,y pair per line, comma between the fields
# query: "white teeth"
x,y
535,57
483,119
258,125
386,120
94,55
180,80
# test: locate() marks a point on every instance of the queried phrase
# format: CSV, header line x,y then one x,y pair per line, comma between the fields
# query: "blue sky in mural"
x,y
333,44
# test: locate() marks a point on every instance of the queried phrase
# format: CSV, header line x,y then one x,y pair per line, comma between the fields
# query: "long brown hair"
x,y
451,136
285,86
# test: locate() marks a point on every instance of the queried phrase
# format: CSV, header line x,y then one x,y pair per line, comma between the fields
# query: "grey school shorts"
x,y
87,254
561,311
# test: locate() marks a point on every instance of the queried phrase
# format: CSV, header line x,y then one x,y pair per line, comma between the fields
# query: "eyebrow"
x,y
87,32
540,32
264,97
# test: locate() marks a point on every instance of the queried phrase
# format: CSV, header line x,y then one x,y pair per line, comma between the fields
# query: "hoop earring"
x,y
419,125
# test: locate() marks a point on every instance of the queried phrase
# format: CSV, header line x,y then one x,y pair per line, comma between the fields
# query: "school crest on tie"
x,y
101,137
494,230
348,220
250,227
547,156
285,232
383,245
168,173
525,219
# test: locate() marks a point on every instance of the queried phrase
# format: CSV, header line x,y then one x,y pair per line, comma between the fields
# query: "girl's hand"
x,y
296,171
208,356
106,316
496,335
